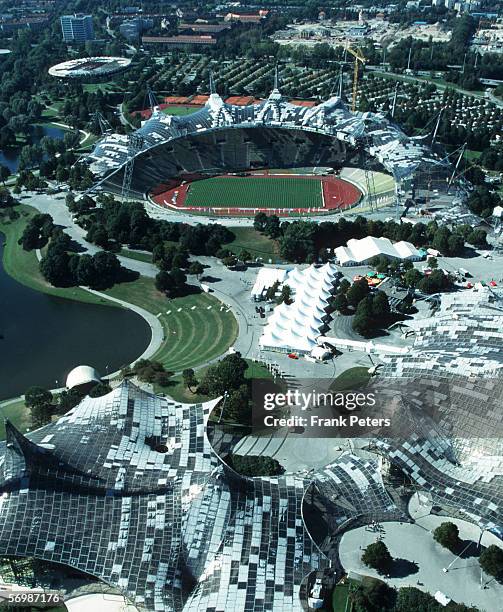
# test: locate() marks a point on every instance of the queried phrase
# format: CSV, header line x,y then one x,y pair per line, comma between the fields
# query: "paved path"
x,y
413,544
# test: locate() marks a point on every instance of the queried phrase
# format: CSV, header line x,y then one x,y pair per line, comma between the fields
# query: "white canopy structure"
x,y
266,279
358,252
295,327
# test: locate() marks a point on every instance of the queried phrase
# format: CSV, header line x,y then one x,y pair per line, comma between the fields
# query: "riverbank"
x,y
23,266
187,332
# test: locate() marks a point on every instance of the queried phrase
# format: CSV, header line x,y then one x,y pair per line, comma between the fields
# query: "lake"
x,y
10,157
43,337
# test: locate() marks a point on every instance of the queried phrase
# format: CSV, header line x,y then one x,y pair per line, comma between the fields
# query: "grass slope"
x,y
249,239
255,192
18,414
198,332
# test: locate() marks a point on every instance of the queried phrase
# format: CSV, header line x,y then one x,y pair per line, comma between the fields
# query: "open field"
x,y
255,192
197,329
256,243
180,110
180,393
139,256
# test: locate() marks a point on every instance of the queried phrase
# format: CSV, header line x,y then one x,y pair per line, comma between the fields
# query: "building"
x,y
131,29
180,41
77,28
361,252
82,378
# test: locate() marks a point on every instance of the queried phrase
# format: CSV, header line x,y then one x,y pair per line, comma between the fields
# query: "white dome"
x,y
82,375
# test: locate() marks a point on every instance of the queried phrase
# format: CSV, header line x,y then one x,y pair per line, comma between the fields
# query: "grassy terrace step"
x,y
199,332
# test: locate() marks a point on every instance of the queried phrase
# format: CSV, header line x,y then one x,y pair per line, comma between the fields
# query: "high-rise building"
x,y
77,28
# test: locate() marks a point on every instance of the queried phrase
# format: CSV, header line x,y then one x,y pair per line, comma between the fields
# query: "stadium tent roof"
x,y
401,155
362,251
296,326
266,279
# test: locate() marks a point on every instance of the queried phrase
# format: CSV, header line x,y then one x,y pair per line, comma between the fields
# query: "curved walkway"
x,y
420,562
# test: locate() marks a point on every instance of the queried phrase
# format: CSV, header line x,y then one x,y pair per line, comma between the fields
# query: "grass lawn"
x,y
147,257
180,393
23,265
18,414
254,242
351,380
340,597
255,192
196,333
179,110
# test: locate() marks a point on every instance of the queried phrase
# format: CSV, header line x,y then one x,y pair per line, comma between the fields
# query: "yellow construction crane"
x,y
359,57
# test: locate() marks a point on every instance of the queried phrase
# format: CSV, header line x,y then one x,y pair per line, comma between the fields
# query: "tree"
x,y
196,268
447,534
189,378
164,282
478,238
244,256
260,221
100,389
412,277
108,268
224,376
357,292
363,319
4,173
380,307
86,271
436,282
343,286
410,599
432,263
230,261
377,556
372,596
255,465
340,303
68,399
491,561
36,396
286,295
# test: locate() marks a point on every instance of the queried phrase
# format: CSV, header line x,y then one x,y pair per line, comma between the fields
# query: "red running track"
x,y
337,195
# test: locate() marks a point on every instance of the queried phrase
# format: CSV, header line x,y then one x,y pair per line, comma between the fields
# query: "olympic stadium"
x,y
165,159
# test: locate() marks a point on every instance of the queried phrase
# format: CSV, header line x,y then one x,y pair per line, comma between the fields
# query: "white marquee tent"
x,y
295,327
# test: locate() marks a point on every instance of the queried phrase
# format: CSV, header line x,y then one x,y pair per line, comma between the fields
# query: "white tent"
x,y
360,252
295,327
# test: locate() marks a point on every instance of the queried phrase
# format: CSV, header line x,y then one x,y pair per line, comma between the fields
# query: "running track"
x,y
337,195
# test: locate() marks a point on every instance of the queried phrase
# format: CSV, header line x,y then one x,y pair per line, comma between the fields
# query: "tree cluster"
x,y
37,232
62,267
482,201
306,241
255,465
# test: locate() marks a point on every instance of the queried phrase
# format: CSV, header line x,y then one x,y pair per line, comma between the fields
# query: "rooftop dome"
x,y
82,375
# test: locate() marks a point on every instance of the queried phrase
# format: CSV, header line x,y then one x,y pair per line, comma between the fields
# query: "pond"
x,y
10,157
43,337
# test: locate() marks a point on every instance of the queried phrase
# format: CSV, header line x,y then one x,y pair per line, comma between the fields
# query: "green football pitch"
x,y
255,192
